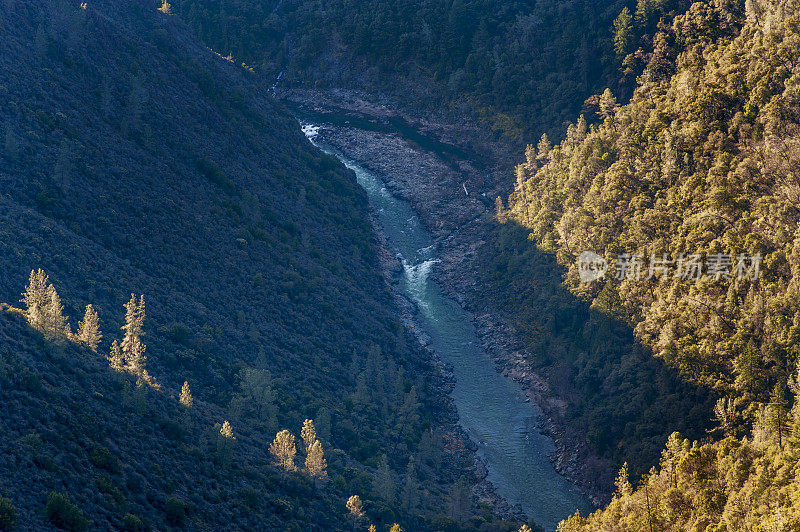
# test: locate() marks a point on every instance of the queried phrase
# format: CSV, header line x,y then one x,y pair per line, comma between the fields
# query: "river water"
x,y
491,407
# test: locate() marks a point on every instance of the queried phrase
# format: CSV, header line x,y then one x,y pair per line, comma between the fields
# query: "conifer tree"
x,y
132,346
623,33
410,495
36,298
383,483
55,326
675,449
316,465
396,528
115,360
356,508
544,148
524,528
778,411
225,441
256,396
186,398
226,431
644,12
725,416
622,483
283,449
309,434
89,329
608,104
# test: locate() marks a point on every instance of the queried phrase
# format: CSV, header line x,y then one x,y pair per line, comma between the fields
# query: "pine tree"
x,y
644,12
54,326
671,456
115,360
316,465
356,508
383,482
225,442
725,416
608,104
283,449
544,148
622,483
226,431
185,397
89,329
132,346
524,528
36,298
395,528
309,434
778,411
623,33
256,396
410,498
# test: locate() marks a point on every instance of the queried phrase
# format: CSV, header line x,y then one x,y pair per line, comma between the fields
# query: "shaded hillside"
x,y
522,68
135,160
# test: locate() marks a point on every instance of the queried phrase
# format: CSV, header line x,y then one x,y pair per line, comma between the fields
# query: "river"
x,y
491,407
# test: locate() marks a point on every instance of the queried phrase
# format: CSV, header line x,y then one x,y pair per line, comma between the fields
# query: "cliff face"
x,y
135,160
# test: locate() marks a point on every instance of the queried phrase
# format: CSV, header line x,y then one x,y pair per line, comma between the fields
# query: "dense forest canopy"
x,y
704,160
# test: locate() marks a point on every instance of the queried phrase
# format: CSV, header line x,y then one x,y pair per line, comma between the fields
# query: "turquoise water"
x,y
491,407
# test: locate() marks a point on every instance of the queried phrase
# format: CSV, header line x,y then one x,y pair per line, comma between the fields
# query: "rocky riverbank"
x,y
454,197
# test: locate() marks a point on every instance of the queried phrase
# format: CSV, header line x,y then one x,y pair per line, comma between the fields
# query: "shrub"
x,y
62,513
106,485
176,511
8,515
103,459
133,523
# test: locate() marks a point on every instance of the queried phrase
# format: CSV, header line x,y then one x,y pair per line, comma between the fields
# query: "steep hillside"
x,y
521,68
703,161
135,160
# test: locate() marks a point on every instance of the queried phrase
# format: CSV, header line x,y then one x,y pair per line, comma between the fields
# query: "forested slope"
x,y
135,160
705,161
522,68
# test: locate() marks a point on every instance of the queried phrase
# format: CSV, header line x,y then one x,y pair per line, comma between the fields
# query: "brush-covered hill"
x,y
136,160
704,160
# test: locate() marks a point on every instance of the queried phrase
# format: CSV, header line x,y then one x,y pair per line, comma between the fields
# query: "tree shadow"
x,y
625,400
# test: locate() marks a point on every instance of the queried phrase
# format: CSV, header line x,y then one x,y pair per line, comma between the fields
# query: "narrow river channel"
x,y
491,407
